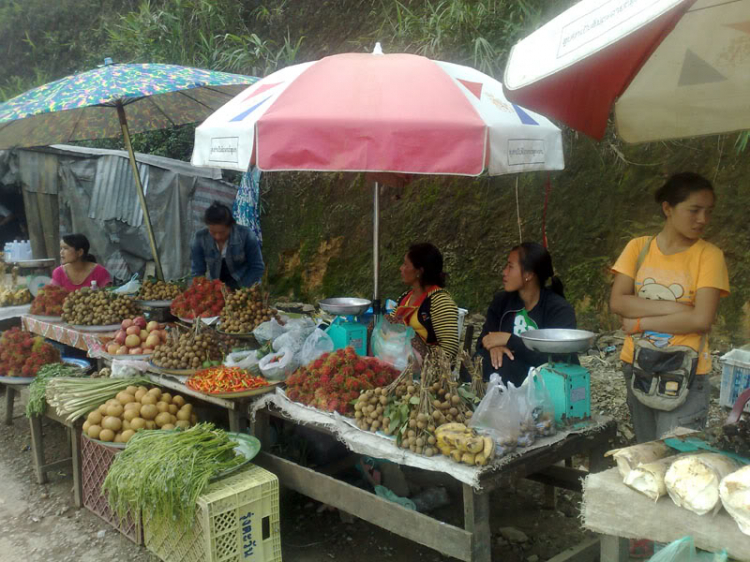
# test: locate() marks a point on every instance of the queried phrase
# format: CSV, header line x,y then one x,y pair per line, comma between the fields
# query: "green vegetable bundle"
x,y
74,397
37,404
162,473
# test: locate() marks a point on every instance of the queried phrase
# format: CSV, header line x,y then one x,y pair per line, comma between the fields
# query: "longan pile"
x,y
87,307
187,351
159,291
244,310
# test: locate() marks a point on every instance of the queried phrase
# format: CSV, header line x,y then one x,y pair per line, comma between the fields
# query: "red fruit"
x,y
317,364
360,366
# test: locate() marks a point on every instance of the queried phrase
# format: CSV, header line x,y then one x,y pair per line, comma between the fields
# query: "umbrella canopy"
x,y
92,105
672,68
395,113
83,106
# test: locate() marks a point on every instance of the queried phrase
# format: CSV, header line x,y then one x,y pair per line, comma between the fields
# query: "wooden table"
x,y
619,513
471,543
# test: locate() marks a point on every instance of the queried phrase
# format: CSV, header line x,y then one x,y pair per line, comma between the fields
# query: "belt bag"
x,y
662,377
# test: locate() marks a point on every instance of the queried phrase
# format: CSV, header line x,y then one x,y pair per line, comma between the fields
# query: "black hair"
x,y
681,186
428,258
535,258
80,242
218,213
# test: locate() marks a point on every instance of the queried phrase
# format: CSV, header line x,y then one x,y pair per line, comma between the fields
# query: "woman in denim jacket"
x,y
226,250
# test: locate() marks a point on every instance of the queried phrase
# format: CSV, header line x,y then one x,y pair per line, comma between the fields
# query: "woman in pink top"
x,y
79,268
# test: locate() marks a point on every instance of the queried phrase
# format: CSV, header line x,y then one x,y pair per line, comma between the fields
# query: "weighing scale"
x,y
569,384
349,328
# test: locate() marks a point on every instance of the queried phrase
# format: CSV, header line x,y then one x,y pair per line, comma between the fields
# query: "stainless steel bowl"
x,y
558,340
345,306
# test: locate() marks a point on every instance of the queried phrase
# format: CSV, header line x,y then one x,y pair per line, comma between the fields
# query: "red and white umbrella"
x,y
672,68
395,113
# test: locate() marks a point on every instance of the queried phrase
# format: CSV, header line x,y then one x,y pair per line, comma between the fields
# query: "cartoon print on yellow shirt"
x,y
656,292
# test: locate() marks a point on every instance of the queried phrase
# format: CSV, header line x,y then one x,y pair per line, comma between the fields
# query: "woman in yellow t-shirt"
x,y
427,307
667,290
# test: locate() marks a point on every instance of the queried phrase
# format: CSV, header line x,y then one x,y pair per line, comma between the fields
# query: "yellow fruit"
x,y
480,459
475,445
467,458
489,448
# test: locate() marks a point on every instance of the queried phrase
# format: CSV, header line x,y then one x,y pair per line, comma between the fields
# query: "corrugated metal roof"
x,y
115,195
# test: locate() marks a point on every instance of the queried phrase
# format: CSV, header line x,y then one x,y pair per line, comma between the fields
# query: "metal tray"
x,y
345,306
48,319
93,329
558,340
17,380
154,304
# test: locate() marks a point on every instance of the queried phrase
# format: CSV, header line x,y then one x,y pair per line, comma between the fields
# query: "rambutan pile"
x,y
49,301
22,354
203,298
335,379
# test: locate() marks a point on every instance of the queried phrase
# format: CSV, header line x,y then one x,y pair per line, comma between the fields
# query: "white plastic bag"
x,y
268,331
735,497
391,343
129,288
315,345
127,369
497,416
277,366
242,359
540,413
693,481
303,324
293,339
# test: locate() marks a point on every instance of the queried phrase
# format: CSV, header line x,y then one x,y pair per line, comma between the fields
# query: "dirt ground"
x,y
40,522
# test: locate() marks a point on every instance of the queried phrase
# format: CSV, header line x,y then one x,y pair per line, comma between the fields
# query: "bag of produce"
x,y
315,345
242,359
526,435
648,478
268,331
277,366
629,458
693,481
303,324
129,288
735,496
293,339
391,343
683,550
497,416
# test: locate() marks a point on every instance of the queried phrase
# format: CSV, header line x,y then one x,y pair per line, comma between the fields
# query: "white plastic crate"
x,y
236,520
735,377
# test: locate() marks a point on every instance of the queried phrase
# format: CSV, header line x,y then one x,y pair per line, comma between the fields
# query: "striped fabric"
x,y
444,315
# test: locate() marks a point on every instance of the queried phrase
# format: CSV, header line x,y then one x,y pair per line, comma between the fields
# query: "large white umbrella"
x,y
672,68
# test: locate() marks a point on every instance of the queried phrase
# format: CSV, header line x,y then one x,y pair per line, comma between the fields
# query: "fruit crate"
x,y
735,377
95,462
236,519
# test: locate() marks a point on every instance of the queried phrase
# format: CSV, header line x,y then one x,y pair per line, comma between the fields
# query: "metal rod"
x,y
376,242
139,189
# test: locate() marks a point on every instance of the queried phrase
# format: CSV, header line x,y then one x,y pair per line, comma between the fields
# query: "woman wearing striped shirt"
x,y
426,306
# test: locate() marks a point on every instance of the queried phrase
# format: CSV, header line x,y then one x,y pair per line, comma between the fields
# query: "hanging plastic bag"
x,y
247,359
497,416
277,366
315,345
268,331
683,550
391,343
129,288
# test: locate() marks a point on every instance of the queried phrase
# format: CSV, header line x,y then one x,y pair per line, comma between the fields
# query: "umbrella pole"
x,y
376,249
139,189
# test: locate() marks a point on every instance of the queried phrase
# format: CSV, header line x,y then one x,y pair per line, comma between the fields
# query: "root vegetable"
x,y
163,419
113,423
115,410
95,417
106,435
137,423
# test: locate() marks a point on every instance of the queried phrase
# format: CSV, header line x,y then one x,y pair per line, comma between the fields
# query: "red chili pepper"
x,y
224,379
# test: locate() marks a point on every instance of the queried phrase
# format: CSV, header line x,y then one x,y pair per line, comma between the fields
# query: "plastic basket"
x,y
95,462
735,377
236,519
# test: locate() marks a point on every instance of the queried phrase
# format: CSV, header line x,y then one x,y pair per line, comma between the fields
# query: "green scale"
x,y
569,384
350,327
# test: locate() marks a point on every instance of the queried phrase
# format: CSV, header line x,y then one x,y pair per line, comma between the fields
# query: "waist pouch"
x,y
662,377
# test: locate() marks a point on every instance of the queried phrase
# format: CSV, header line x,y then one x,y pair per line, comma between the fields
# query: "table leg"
x,y
614,549
234,420
262,429
75,450
37,449
477,522
10,397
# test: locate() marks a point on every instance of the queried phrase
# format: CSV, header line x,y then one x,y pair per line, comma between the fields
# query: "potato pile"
x,y
244,310
136,408
97,308
159,291
189,350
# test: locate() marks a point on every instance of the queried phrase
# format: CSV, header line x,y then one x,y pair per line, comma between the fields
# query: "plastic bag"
x,y
315,345
303,324
127,369
735,497
129,288
497,416
277,366
391,343
683,550
526,433
293,339
242,359
541,409
693,481
268,331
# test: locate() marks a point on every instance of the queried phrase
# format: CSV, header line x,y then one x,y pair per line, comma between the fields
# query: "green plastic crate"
x,y
236,519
